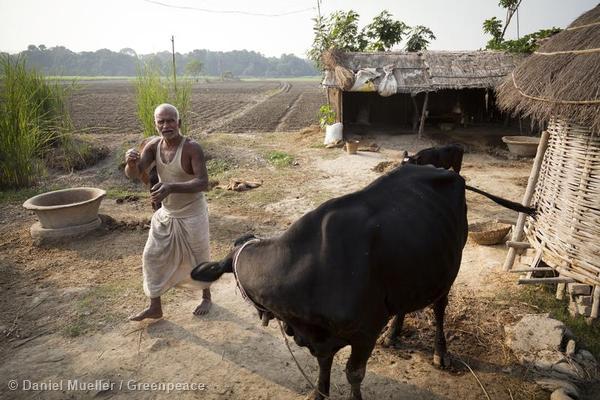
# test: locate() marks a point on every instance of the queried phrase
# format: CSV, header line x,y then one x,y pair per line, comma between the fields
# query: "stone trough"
x,y
65,213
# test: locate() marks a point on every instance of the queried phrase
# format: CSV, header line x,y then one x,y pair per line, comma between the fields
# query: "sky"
x,y
271,27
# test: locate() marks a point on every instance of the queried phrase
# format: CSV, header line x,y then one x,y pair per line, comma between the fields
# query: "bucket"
x,y
352,146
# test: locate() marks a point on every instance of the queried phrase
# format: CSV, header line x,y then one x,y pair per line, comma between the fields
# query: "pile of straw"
x,y
331,59
562,78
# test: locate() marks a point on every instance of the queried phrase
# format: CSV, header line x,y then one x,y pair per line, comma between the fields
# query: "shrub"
x,y
326,115
33,118
152,90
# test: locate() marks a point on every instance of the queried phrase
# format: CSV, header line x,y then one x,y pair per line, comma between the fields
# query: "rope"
x,y
249,300
584,51
235,274
582,26
551,100
287,344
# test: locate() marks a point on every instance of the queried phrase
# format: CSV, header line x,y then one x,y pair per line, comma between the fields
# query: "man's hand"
x,y
160,191
132,156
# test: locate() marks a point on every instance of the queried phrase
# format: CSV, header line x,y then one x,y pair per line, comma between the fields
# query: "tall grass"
x,y
33,117
152,90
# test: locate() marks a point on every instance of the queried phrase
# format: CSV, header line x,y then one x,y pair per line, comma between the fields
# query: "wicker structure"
x,y
560,84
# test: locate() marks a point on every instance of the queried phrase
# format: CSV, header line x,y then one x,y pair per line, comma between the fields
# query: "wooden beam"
x,y
533,178
423,114
545,280
413,97
518,245
540,269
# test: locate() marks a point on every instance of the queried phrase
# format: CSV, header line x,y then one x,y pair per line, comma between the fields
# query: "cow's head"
x,y
211,271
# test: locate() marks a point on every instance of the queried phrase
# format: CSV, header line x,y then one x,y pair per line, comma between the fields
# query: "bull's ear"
x,y
243,239
211,271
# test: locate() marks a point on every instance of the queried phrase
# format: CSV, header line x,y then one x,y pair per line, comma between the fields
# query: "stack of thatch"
x,y
560,84
562,78
343,76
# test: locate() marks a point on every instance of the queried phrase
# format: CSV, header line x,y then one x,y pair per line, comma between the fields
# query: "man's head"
x,y
166,121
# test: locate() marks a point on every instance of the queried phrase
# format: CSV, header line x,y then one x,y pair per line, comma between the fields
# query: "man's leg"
x,y
204,306
153,311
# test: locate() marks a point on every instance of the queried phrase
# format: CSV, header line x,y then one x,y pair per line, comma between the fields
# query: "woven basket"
x,y
489,232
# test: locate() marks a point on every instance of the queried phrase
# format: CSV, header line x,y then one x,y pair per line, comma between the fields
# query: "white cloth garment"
x,y
179,235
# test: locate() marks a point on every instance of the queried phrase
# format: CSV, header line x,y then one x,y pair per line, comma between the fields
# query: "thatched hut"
x,y
560,85
437,86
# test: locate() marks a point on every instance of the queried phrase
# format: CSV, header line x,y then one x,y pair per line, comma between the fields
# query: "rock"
x,y
570,369
571,348
554,384
577,289
560,394
583,354
534,333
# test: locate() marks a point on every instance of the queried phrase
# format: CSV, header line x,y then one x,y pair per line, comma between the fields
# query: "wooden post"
x,y
415,113
595,302
533,178
560,291
423,113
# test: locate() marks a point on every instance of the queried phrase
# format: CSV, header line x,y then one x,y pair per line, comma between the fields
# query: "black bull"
x,y
340,272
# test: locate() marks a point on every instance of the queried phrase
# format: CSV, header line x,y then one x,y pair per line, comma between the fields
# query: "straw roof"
x,y
562,78
429,71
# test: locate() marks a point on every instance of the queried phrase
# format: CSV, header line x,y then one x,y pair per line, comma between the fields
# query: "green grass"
x,y
543,298
33,119
279,159
20,195
217,166
153,90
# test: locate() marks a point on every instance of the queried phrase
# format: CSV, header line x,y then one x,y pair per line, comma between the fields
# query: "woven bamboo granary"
x,y
560,85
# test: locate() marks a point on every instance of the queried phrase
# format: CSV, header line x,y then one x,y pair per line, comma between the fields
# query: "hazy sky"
x,y
147,26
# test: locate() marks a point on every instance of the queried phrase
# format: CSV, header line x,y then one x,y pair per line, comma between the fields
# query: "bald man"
x,y
179,237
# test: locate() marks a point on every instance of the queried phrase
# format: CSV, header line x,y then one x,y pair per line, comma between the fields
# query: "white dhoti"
x,y
175,246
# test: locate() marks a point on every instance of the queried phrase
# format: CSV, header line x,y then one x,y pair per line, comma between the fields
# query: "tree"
x,y
419,38
194,68
384,32
340,31
526,44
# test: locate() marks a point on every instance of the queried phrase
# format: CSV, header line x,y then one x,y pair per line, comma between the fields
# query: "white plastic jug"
x,y
333,133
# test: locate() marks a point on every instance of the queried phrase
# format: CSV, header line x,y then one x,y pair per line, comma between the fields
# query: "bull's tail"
x,y
503,202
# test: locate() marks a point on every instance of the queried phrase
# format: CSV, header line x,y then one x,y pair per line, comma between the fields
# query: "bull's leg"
x,y
357,366
395,330
324,378
440,358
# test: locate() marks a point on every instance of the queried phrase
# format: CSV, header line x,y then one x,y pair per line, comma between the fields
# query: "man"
x,y
179,236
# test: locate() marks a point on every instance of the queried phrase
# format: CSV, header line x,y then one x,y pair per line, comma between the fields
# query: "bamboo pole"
x,y
545,280
415,113
596,302
533,177
423,113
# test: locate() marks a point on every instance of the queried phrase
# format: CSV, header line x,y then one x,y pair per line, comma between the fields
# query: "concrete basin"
x,y
67,212
525,146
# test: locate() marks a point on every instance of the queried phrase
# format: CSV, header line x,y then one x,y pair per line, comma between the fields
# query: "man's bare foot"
x,y
203,308
147,313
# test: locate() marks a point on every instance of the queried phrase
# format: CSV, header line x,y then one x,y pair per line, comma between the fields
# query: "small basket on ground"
x,y
488,232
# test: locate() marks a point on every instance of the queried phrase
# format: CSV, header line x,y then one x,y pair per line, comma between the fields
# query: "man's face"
x,y
166,123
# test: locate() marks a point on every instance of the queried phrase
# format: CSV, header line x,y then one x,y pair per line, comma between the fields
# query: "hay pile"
x,y
344,78
562,78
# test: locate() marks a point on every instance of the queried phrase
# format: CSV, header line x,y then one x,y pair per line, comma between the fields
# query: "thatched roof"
x,y
430,70
562,78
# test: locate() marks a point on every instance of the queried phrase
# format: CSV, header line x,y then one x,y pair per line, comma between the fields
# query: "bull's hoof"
x,y
442,362
315,395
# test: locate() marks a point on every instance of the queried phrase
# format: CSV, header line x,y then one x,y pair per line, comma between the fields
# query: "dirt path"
x,y
65,306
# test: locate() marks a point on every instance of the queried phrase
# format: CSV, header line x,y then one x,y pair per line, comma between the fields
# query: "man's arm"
x,y
135,163
198,184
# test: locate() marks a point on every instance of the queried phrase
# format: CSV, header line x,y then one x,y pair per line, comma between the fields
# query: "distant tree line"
x,y
242,63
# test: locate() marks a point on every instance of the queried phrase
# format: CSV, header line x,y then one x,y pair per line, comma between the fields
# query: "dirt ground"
x,y
65,305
